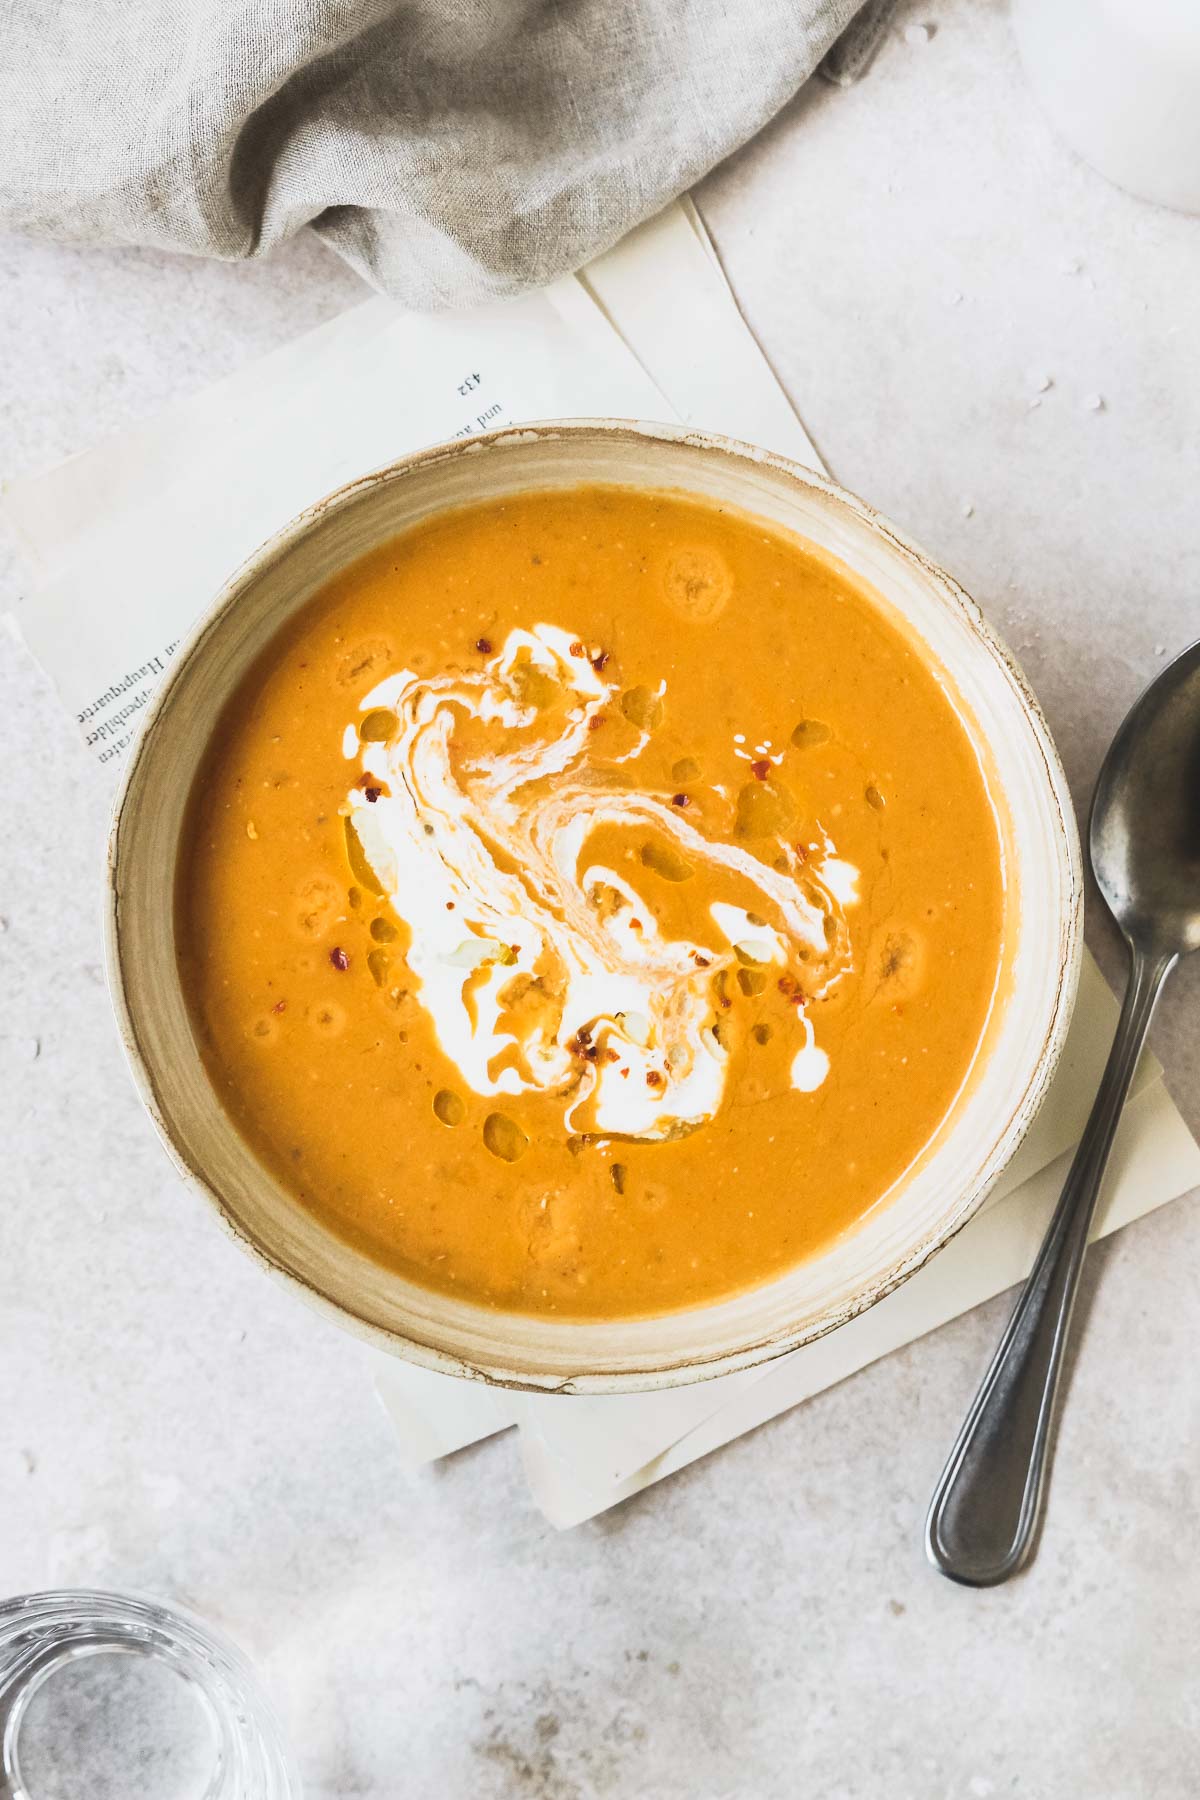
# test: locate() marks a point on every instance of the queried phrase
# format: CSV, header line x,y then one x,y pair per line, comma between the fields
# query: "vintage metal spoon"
x,y
1145,847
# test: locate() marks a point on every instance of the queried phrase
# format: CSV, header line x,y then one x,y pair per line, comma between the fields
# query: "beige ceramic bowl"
x,y
925,1208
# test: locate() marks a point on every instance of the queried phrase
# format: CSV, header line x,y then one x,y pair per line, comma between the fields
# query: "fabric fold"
x,y
451,150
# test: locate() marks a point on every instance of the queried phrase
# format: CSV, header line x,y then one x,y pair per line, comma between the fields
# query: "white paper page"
x,y
663,290
218,473
993,1252
434,1415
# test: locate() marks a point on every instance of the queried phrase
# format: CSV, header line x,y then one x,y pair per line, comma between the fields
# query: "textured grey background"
x,y
763,1625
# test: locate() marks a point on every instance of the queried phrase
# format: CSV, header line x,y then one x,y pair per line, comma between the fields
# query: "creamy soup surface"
x,y
591,903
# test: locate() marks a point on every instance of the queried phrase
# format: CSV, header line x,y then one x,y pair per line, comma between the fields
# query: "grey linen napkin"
x,y
451,150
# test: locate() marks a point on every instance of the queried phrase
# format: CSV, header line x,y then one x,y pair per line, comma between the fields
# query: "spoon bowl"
x,y
1145,825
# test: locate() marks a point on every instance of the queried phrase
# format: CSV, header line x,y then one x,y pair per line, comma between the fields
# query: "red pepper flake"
x,y
372,794
636,925
596,721
653,1078
515,948
680,800
701,962
279,1006
802,852
761,769
484,646
625,1073
577,649
339,958
449,906
600,661
613,1055
786,986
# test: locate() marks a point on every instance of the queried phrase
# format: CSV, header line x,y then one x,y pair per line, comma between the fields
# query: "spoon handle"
x,y
985,1507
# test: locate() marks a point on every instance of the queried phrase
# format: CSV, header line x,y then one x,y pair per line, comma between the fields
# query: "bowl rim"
x,y
1024,1108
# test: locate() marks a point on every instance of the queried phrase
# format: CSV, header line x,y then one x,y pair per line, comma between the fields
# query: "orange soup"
x,y
591,904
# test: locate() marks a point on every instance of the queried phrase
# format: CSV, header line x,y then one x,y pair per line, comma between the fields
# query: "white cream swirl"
x,y
539,968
